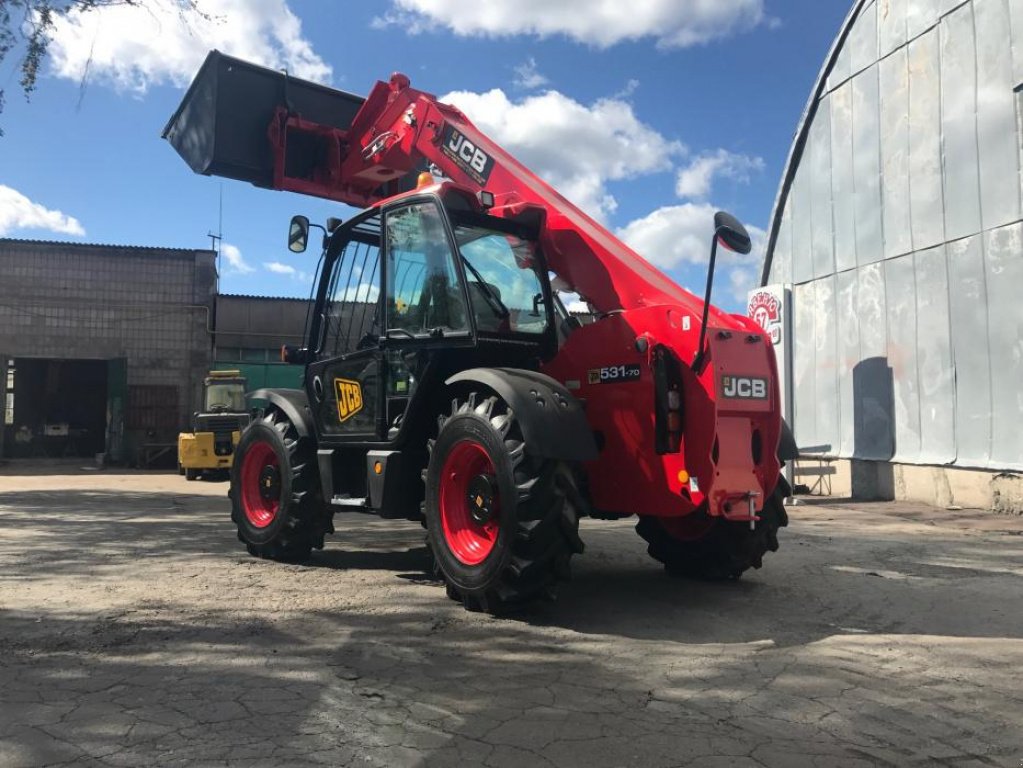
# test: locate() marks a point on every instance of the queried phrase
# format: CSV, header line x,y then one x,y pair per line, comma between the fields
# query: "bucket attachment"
x,y
223,125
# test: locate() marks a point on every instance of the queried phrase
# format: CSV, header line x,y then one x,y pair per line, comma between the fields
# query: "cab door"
x,y
394,287
343,381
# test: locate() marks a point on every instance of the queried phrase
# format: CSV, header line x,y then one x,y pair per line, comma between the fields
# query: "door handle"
x,y
318,388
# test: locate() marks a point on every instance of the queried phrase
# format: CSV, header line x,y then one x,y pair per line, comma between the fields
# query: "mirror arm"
x,y
698,360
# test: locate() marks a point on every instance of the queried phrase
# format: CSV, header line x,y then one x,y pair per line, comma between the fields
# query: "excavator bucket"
x,y
223,126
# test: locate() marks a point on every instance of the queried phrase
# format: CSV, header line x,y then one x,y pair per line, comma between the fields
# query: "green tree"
x,y
26,26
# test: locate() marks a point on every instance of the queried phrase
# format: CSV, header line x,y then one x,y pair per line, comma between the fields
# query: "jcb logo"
x,y
349,398
744,387
470,158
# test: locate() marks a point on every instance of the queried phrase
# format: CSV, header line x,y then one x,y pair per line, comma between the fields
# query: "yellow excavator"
x,y
209,447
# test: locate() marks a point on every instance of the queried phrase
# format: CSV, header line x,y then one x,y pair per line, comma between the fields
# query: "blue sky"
x,y
667,110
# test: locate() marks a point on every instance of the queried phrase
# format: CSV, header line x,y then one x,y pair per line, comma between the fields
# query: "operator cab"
x,y
411,291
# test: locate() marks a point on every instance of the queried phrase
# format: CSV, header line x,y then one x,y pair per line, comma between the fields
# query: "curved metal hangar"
x,y
898,226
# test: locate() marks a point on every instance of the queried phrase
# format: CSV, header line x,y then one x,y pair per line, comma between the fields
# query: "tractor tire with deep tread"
x,y
502,524
726,551
276,500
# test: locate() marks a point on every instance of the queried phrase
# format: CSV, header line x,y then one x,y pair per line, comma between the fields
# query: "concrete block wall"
x,y
1000,492
150,306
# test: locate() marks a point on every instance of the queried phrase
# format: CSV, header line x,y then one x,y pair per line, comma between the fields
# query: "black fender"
x,y
787,448
552,420
294,403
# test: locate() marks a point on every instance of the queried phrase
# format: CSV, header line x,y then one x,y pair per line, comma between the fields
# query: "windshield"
x,y
229,396
505,289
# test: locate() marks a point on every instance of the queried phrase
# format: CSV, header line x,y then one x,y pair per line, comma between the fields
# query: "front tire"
x,y
502,524
276,501
725,550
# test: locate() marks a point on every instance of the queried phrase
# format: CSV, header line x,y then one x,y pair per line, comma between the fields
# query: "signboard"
x,y
770,307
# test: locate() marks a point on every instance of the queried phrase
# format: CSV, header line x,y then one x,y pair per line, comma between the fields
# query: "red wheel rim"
x,y
260,484
469,503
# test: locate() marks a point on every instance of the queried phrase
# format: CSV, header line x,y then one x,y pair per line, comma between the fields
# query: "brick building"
x,y
103,349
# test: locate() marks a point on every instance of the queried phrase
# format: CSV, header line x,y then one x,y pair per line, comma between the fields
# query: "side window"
x,y
423,293
504,288
352,315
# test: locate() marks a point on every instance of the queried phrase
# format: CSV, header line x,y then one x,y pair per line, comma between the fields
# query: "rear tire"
x,y
502,525
191,474
726,551
276,501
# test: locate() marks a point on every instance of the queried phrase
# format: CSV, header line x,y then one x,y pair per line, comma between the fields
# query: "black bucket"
x,y
220,127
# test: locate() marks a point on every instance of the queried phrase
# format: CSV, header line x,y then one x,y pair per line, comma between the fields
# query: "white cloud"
x,y
630,88
236,264
280,269
133,47
528,77
574,147
681,234
697,179
18,212
362,293
673,23
741,280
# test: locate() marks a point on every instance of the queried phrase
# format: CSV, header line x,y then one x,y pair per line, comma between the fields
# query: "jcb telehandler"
x,y
444,379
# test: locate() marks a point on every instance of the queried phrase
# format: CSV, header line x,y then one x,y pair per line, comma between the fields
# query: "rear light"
x,y
674,423
668,417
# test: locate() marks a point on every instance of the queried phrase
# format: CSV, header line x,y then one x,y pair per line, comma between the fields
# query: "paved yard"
x,y
134,631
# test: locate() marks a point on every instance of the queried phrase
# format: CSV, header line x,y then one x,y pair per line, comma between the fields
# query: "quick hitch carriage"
x,y
444,379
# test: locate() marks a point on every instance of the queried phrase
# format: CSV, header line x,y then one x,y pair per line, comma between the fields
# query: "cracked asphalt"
x,y
134,630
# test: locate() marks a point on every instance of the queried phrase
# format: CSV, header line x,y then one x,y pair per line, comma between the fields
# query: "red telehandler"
x,y
444,379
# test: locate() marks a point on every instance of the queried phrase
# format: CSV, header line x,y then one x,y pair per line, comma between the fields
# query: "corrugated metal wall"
x,y
902,235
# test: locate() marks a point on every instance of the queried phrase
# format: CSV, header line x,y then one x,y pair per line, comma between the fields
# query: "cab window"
x,y
423,291
504,287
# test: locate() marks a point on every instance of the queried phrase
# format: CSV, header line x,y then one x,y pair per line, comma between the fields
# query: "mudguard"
x,y
293,403
552,420
787,448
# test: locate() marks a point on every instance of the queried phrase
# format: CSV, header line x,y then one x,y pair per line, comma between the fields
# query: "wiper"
x,y
495,303
403,333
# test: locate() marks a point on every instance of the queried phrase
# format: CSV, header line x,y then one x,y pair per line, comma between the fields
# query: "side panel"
x,y
842,191
926,199
959,124
848,356
969,341
894,77
867,166
1003,258
934,359
997,137
900,297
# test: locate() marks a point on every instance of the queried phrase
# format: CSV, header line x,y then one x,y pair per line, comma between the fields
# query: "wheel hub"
x,y
270,483
481,499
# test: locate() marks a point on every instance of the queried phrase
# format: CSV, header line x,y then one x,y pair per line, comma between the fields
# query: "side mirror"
x,y
298,234
294,355
731,233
